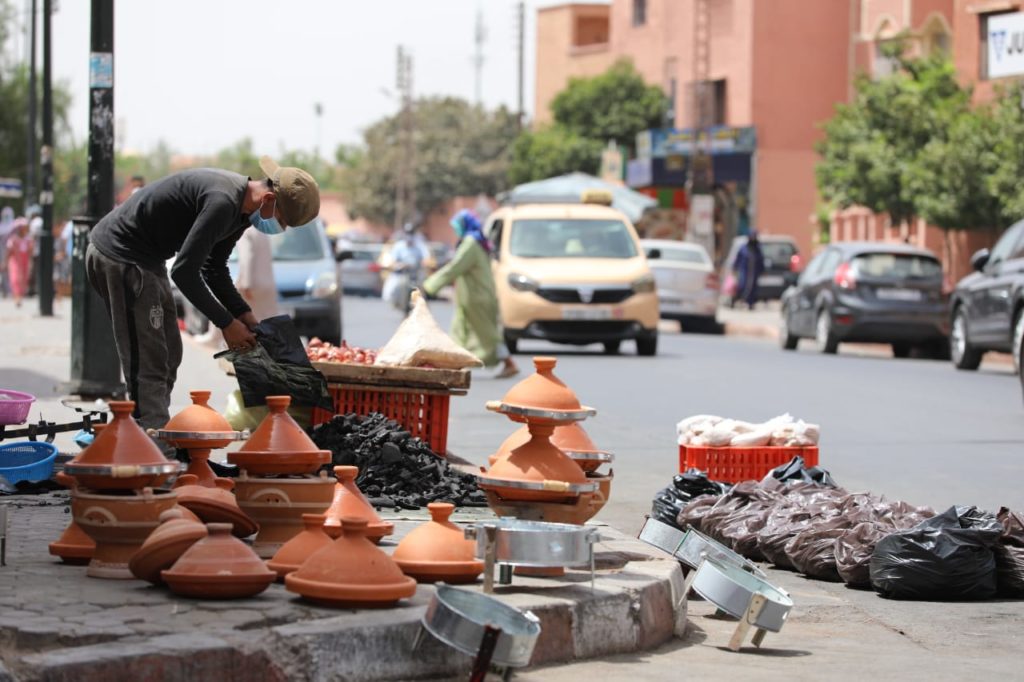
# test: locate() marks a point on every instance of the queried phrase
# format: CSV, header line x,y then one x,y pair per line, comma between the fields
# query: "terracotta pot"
x,y
278,432
187,513
604,491
351,573
576,510
198,466
74,546
349,501
277,505
214,505
119,524
295,552
537,461
571,439
122,456
279,463
438,550
218,567
172,537
199,417
543,390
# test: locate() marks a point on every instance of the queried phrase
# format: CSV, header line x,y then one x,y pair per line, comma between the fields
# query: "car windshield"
x,y
295,244
571,239
778,252
896,266
675,255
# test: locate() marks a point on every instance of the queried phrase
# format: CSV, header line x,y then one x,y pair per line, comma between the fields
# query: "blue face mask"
x,y
265,225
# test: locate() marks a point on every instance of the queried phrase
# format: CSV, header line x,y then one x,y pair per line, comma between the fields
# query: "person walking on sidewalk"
x,y
19,249
749,266
199,215
476,325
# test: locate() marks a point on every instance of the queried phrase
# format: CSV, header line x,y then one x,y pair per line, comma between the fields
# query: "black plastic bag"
x,y
1010,554
670,501
278,366
796,470
948,557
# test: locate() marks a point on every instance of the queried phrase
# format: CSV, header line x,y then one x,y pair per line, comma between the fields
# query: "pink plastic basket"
x,y
14,406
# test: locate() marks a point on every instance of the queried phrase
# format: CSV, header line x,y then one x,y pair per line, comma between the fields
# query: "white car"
x,y
687,283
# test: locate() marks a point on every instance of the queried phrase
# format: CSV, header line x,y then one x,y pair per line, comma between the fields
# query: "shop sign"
x,y
1005,55
662,142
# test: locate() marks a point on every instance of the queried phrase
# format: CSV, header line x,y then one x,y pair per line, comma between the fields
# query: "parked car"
x,y
868,292
574,274
781,268
308,278
987,306
360,270
687,282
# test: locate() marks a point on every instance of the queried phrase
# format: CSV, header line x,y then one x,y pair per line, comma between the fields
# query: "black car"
x,y
781,268
986,306
869,292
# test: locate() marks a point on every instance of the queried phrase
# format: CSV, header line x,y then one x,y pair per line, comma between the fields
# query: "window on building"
x,y
708,102
718,103
883,64
590,31
639,12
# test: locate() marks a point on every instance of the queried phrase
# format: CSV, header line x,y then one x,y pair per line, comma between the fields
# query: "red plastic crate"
x,y
423,413
732,465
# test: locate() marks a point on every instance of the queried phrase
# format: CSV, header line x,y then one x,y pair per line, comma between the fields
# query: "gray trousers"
x,y
146,334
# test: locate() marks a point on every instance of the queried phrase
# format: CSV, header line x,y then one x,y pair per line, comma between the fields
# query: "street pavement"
x,y
915,430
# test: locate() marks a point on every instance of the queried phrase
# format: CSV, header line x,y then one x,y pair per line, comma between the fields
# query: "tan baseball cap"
x,y
298,195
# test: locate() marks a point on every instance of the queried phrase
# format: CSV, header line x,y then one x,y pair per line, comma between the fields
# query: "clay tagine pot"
x,y
277,505
118,523
351,573
74,546
571,439
350,501
438,550
541,397
214,505
295,552
536,470
122,456
279,445
172,537
198,426
198,466
218,567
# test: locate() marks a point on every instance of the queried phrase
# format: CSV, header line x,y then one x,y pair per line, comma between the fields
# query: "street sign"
x,y
1005,56
10,188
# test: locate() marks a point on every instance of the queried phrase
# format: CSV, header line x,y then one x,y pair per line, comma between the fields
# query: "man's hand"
x,y
238,337
249,320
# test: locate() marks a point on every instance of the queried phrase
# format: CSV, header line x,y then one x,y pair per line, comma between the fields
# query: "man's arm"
x,y
218,277
188,273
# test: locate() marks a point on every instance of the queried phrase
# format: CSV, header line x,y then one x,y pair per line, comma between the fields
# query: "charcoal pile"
x,y
396,470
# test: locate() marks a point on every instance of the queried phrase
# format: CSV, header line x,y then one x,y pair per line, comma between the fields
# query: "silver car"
x,y
360,268
687,283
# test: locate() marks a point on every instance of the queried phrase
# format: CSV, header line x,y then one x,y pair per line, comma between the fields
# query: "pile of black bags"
x,y
798,518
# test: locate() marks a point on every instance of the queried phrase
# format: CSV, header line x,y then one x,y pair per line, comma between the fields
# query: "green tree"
x,y
1007,179
459,149
615,105
589,112
873,144
553,151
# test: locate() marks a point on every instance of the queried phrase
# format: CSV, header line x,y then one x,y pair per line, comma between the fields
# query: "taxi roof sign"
x,y
596,196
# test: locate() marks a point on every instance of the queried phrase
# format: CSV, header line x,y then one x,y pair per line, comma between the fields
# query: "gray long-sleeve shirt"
x,y
196,214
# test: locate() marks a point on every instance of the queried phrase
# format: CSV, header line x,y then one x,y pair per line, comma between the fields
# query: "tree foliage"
x,y
1007,179
589,112
459,149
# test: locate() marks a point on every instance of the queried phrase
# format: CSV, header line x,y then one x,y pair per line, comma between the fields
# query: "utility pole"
x,y
95,367
405,185
479,36
30,157
44,283
520,49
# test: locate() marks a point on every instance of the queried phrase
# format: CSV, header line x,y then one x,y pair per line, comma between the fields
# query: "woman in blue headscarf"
x,y
475,326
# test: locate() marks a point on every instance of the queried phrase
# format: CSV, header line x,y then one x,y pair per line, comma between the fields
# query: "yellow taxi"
x,y
573,274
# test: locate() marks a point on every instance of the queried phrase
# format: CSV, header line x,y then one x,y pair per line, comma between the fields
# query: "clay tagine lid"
x,y
165,544
218,567
198,466
214,505
295,552
198,426
349,501
541,397
279,445
536,470
351,573
121,456
438,550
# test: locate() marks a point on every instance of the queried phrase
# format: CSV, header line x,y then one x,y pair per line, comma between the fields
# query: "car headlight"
x,y
644,285
325,285
522,282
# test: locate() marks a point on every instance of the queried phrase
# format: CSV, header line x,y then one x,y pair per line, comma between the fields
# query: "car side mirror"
x,y
343,255
980,259
653,254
